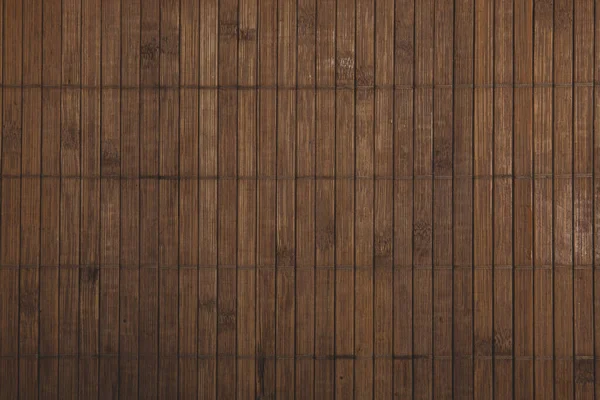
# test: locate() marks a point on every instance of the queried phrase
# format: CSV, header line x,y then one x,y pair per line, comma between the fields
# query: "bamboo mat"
x,y
276,199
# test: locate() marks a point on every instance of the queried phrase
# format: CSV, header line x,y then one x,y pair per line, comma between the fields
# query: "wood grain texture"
x,y
309,199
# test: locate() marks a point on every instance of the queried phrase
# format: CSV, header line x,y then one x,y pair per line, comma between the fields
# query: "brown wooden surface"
x,y
366,199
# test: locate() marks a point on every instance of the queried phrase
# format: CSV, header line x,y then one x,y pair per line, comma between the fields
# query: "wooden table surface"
x,y
277,199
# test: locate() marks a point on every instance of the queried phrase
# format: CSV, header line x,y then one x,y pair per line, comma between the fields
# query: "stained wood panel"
x,y
298,199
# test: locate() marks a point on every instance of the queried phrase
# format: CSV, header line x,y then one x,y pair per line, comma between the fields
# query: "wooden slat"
x,y
503,200
305,240
523,201
227,198
364,196
110,207
30,213
423,198
383,202
285,247
247,200
130,202
89,282
403,245
10,199
324,201
563,199
69,258
50,200
482,200
168,223
266,212
543,196
583,202
207,196
442,203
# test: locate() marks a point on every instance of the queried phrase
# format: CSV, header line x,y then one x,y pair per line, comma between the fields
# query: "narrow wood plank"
x,y
463,241
9,255
285,206
189,217
267,198
149,67
68,309
149,204
363,330
227,209
463,200
148,308
12,72
284,325
246,249
169,165
583,286
88,330
442,286
30,246
148,320
70,201
110,206
442,207
129,291
89,289
345,75
207,331
10,328
383,219
109,286
168,285
482,200
423,201
542,211
383,316
422,290
305,301
285,295
188,285
523,200
168,340
129,259
227,199
324,340
30,222
364,216
404,42
423,207
442,367
503,200
464,41
523,244
29,284
563,199
403,243
109,328
246,333
442,239
285,276
325,200
11,197
305,201
364,197
50,199
207,162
